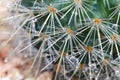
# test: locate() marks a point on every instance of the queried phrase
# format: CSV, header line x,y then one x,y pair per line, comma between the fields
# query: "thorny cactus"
x,y
75,39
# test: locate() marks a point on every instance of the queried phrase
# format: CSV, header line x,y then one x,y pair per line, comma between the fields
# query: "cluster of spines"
x,y
92,42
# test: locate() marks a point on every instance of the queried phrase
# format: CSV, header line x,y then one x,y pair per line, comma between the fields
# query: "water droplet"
x,y
115,26
91,76
96,71
76,13
6,60
62,17
107,78
117,72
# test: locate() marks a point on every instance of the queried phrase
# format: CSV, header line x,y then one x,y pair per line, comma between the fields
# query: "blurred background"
x,y
14,68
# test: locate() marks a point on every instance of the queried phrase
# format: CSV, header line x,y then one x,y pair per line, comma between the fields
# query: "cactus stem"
x,y
88,48
69,31
114,37
104,62
63,54
96,21
81,66
51,9
77,1
119,5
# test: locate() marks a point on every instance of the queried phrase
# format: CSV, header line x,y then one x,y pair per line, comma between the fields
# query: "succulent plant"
x,y
75,39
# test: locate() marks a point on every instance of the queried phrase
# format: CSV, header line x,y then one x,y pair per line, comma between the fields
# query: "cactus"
x,y
75,39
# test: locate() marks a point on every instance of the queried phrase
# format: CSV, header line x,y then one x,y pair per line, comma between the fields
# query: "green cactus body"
x,y
78,38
